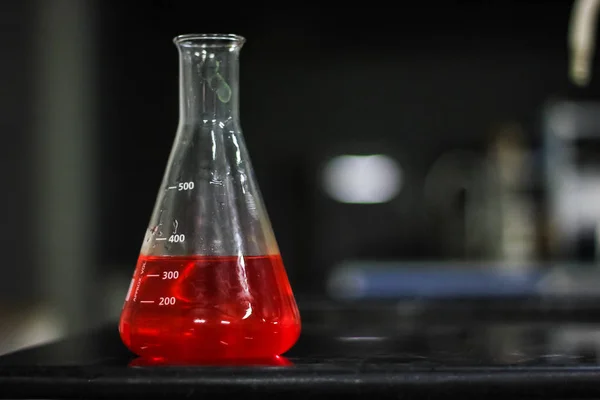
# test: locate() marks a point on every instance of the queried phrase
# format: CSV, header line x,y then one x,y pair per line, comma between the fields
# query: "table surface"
x,y
525,350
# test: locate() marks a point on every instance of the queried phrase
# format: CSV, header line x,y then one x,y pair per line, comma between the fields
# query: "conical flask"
x,y
209,282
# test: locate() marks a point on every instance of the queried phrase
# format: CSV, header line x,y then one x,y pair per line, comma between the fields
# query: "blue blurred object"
x,y
374,281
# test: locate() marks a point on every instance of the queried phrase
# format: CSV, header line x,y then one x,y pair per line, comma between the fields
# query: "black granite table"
x,y
471,349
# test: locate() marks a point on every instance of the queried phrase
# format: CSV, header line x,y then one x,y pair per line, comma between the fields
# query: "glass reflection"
x,y
276,361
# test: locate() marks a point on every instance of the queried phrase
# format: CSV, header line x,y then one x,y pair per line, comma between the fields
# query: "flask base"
x,y
210,307
211,342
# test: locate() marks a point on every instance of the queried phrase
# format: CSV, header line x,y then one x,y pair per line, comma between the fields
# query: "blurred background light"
x,y
362,179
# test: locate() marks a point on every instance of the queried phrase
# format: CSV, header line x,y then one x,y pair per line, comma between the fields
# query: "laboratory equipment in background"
x,y
571,133
210,282
571,151
511,219
483,207
582,40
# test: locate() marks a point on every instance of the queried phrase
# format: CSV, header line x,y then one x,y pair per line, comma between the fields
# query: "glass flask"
x,y
210,282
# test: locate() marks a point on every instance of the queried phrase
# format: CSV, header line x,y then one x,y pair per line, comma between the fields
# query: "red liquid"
x,y
209,307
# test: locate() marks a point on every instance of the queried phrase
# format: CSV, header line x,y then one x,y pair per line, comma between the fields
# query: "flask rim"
x,y
209,40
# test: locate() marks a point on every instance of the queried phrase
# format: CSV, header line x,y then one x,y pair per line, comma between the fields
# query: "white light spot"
x,y
362,179
248,311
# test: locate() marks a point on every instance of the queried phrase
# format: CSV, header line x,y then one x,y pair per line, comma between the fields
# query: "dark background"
x,y
90,106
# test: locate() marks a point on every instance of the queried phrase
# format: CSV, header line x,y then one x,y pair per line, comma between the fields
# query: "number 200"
x,y
166,301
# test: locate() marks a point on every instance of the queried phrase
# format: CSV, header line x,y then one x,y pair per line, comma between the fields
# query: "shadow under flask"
x,y
210,282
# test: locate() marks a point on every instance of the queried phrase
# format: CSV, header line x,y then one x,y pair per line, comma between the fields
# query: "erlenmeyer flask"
x,y
209,282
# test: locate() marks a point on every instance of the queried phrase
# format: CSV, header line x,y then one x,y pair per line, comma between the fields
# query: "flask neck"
x,y
208,81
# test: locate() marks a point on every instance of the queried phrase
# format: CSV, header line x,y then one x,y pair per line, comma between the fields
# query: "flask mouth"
x,y
205,40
